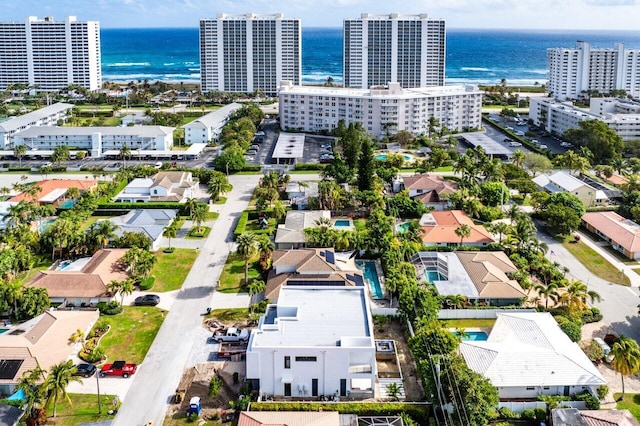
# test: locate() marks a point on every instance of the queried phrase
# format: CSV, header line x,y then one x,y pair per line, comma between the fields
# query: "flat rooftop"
x,y
316,316
491,146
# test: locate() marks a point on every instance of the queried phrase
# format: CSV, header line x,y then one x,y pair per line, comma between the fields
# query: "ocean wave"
x,y
194,69
129,64
486,81
168,64
541,72
152,77
481,69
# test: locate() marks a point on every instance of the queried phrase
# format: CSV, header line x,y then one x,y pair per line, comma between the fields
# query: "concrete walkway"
x,y
156,380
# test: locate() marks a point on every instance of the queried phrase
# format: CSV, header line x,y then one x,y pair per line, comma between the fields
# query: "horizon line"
x,y
448,29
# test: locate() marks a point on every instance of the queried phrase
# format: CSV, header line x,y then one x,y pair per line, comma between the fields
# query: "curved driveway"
x,y
157,378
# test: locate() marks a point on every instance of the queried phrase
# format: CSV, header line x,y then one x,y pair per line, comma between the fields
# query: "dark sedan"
x,y
147,300
85,370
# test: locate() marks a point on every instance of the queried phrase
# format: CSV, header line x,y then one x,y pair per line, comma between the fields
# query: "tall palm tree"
x,y
191,204
549,291
125,152
518,158
247,247
575,296
170,232
256,286
57,381
113,287
103,231
218,185
33,392
626,358
199,215
126,288
463,231
19,151
279,210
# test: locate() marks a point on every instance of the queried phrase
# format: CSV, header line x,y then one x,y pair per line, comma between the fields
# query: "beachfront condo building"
x,y
556,117
407,49
381,110
577,72
49,55
249,53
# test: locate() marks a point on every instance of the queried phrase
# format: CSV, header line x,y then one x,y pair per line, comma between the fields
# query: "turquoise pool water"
x,y
64,265
433,275
3,330
403,227
474,336
344,223
46,224
67,204
371,275
383,157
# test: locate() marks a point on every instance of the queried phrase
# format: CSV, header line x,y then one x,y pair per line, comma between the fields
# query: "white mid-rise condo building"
x,y
50,55
575,72
380,110
47,116
407,49
248,53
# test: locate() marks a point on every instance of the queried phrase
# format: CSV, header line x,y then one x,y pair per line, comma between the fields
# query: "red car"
x,y
118,368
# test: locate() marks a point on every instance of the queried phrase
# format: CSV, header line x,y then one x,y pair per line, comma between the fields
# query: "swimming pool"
x,y
67,204
64,265
473,335
403,226
433,275
370,273
4,330
342,223
383,157
45,225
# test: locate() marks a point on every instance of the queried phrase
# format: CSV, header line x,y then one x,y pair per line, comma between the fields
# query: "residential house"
x,y
289,418
527,355
439,229
623,234
303,348
208,127
54,191
150,222
565,182
575,417
298,193
290,235
309,267
84,281
10,416
431,189
43,341
163,186
481,277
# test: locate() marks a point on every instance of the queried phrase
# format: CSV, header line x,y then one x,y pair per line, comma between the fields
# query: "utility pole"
x,y
98,384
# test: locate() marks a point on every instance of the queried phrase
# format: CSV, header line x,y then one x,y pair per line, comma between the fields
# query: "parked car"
x,y
118,368
566,145
543,146
232,334
85,370
252,152
515,144
535,141
147,300
507,140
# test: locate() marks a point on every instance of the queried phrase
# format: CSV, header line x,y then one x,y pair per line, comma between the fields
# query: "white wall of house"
x,y
532,392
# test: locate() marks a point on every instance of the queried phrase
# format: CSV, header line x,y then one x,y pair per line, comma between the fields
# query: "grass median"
x,y
595,263
171,269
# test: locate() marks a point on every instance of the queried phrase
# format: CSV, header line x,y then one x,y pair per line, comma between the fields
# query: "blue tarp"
x,y
18,396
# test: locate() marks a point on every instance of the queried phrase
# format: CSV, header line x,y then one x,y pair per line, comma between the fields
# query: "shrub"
x,y
147,283
528,413
111,308
591,315
506,413
101,327
570,328
489,214
214,386
419,413
242,223
540,413
95,355
309,166
592,402
252,168
602,391
518,199
594,351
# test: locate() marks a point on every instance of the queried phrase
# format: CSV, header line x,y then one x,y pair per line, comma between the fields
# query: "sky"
x,y
490,14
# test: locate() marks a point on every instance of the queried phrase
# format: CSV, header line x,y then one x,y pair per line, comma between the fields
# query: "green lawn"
x,y
171,269
468,323
83,409
630,402
221,200
232,277
360,224
193,233
595,263
92,220
229,314
213,215
444,169
132,332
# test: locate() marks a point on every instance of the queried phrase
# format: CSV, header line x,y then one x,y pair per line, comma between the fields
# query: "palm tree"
x,y
60,154
626,358
33,393
550,292
113,287
518,158
170,232
126,288
125,153
191,204
218,185
56,383
279,210
19,151
103,231
247,246
575,296
463,231
323,222
199,215
501,228
256,286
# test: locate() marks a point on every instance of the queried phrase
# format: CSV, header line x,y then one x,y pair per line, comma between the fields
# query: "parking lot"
x,y
553,144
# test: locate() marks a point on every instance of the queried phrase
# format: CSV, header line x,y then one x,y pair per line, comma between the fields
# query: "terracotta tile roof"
x,y
617,180
621,231
48,186
29,362
303,259
289,418
487,271
90,281
440,227
609,418
428,182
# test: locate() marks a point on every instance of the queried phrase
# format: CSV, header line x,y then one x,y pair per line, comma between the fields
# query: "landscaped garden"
x,y
198,234
171,269
631,402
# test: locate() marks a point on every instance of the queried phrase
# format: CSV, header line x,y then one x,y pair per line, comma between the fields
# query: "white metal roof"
x,y
490,146
53,195
529,349
214,118
142,131
289,145
316,317
27,119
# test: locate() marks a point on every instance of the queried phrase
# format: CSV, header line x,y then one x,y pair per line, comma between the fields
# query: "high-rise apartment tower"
x,y
407,49
248,53
50,55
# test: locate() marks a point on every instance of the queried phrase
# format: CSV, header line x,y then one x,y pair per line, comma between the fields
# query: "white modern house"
x,y
379,109
47,116
575,71
98,140
527,355
565,182
50,54
408,49
150,222
315,341
208,127
290,234
250,52
163,186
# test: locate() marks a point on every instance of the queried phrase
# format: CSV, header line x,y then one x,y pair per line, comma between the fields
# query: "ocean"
x,y
473,56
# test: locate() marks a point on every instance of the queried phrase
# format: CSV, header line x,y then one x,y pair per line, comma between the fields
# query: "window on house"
x,y
287,362
531,388
306,359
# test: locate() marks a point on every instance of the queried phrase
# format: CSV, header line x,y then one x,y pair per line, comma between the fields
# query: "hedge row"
x,y
242,224
181,207
309,166
419,413
252,168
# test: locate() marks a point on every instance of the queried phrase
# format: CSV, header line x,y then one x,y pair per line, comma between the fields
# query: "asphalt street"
x,y
157,378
